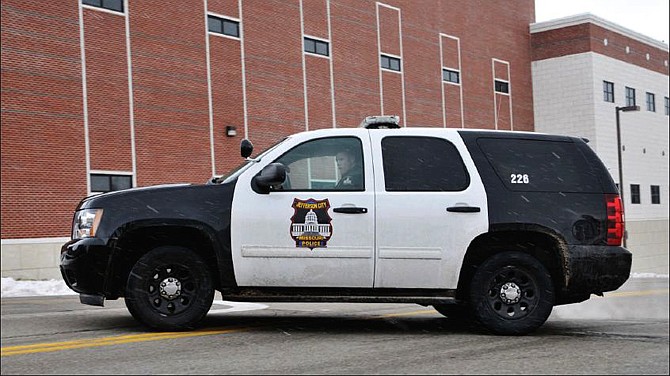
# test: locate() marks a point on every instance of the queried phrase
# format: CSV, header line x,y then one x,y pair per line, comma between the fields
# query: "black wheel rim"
x,y
512,293
171,289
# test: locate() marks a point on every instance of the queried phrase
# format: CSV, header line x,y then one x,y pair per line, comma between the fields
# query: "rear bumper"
x,y
83,265
596,269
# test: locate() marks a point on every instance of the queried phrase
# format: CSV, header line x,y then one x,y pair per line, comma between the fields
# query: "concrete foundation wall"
x,y
648,241
31,258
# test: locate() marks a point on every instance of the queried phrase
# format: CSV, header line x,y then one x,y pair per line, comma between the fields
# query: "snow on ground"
x,y
12,288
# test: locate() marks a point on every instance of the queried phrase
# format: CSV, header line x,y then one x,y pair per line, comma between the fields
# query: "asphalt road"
x,y
626,332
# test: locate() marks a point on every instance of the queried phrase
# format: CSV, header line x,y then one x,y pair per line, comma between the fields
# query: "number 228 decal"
x,y
519,179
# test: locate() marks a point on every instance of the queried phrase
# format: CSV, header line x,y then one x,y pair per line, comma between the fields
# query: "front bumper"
x,y
83,265
596,269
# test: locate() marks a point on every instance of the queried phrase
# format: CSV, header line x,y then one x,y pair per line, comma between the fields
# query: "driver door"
x,y
306,233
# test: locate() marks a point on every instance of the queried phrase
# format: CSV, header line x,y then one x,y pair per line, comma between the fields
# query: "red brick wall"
x,y
587,37
107,91
43,151
43,143
172,133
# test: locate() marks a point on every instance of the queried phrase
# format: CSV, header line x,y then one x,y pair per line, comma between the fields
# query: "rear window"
x,y
539,165
422,164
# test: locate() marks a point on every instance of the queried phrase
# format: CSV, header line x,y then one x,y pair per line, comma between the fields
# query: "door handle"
x,y
464,209
350,210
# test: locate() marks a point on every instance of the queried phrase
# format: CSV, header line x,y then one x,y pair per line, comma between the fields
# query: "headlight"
x,y
86,223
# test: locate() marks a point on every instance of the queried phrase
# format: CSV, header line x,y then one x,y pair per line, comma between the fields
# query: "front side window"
x,y
630,96
634,193
422,164
325,164
651,102
608,91
101,183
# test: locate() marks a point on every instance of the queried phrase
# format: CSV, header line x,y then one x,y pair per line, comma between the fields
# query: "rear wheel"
x,y
511,293
169,288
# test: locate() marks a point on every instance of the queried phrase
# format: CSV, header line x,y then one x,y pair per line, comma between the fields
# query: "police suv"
x,y
494,226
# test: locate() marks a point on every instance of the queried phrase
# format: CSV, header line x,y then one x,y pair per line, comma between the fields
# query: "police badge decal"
x,y
310,224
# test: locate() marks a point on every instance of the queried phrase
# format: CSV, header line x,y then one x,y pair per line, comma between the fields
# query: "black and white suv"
x,y
491,225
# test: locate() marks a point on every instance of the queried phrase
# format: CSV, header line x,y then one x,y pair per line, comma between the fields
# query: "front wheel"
x,y
512,293
169,288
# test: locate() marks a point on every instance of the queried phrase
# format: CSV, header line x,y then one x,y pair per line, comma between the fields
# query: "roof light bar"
x,y
381,122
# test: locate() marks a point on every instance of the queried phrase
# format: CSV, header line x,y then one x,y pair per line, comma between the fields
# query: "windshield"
x,y
237,171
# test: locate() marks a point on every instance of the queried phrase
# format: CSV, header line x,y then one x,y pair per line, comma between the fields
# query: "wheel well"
x,y
545,247
134,244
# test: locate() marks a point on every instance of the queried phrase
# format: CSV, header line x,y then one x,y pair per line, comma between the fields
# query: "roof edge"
x,y
582,18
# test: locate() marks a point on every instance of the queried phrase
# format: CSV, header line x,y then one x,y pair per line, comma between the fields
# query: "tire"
x,y
169,289
511,294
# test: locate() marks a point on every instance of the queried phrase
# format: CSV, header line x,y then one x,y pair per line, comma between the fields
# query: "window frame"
x,y
101,6
110,175
223,21
655,194
389,66
501,86
635,197
630,99
451,72
316,42
608,91
651,102
667,105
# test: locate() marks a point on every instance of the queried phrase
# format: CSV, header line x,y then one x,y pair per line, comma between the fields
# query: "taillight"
x,y
615,219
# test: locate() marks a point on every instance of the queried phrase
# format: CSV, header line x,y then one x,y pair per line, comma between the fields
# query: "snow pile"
x,y
13,288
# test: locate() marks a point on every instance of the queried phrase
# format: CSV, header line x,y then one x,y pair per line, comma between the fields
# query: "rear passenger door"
x,y
430,205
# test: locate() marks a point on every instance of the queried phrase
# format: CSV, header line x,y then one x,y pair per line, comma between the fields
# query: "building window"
x,y
223,26
651,102
450,75
502,86
630,96
667,106
634,193
316,46
391,63
608,91
655,194
101,183
115,5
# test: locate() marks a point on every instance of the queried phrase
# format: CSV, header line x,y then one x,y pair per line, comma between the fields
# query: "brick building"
x,y
100,94
105,94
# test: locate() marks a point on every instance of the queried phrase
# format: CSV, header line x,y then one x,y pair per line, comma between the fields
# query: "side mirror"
x,y
246,148
271,175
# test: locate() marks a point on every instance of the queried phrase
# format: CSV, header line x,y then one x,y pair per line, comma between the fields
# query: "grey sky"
x,y
647,17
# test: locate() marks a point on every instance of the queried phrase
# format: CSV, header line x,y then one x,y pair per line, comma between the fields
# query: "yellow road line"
x,y
621,294
109,341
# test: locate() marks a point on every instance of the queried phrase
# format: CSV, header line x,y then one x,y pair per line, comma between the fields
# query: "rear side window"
x,y
539,165
422,164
